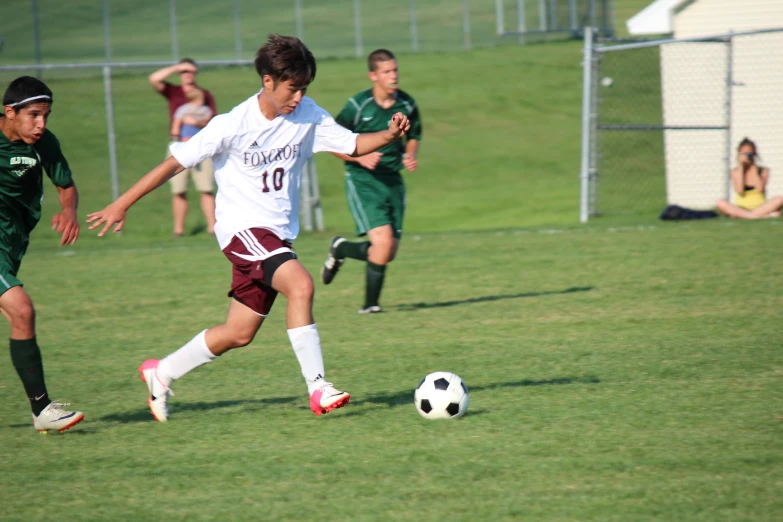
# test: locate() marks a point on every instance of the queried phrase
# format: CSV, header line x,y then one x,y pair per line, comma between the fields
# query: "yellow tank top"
x,y
750,199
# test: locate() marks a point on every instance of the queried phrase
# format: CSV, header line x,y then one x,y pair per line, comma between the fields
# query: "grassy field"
x,y
624,370
616,373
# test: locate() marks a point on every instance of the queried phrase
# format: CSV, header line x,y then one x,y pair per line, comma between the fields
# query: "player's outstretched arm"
x,y
366,143
114,214
66,223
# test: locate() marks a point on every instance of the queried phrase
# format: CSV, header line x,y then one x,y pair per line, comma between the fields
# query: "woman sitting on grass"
x,y
750,182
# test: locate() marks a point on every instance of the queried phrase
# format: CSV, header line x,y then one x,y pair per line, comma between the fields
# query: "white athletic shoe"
x,y
159,392
371,310
326,398
53,417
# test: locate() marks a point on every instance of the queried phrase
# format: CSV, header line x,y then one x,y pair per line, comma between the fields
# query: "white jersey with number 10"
x,y
258,163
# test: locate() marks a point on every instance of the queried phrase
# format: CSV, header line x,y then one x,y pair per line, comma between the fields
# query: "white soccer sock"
x,y
307,346
194,354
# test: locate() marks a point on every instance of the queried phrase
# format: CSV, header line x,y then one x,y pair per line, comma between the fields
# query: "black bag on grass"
x,y
678,213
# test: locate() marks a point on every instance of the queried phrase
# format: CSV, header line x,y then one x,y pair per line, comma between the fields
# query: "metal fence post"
x,y
298,18
466,23
37,38
542,15
237,31
115,181
572,14
316,197
106,31
587,82
173,30
414,29
729,94
521,22
306,204
357,28
500,27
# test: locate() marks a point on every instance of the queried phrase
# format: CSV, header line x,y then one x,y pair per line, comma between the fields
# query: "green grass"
x,y
626,373
625,370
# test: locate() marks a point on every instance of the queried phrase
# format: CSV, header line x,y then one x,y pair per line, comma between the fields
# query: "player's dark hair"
x,y
378,56
191,61
25,91
285,58
747,141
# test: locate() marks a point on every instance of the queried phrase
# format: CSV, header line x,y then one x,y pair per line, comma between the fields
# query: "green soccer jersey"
x,y
21,184
362,114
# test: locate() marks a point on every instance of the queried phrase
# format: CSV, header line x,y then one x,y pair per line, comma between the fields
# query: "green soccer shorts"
x,y
376,201
9,266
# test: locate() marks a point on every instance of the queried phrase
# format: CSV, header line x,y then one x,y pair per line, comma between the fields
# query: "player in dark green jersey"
x,y
27,150
374,185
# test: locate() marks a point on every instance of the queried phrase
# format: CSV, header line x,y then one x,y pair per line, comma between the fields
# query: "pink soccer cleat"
x,y
159,392
326,398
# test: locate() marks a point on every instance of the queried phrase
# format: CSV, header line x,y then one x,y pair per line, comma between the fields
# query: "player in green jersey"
x,y
27,149
374,185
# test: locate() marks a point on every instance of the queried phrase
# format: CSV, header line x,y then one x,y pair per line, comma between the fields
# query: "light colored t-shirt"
x,y
258,163
198,111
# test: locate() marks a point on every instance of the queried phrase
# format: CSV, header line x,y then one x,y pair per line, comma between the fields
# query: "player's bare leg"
x,y
239,330
179,209
17,307
293,281
383,245
208,208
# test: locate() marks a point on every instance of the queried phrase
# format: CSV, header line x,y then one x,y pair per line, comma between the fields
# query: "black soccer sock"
x,y
352,250
375,274
26,358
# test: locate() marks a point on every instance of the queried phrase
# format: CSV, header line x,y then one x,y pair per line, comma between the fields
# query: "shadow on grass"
x,y
247,405
405,397
409,307
390,399
79,429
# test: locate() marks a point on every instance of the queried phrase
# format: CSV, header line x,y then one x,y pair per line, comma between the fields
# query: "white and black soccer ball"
x,y
441,395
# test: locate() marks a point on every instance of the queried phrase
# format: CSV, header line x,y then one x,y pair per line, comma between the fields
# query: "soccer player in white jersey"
x,y
258,150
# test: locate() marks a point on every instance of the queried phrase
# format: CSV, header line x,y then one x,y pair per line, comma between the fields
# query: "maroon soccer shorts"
x,y
247,251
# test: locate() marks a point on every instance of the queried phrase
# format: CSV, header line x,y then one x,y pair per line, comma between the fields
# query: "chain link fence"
x,y
53,31
662,119
109,46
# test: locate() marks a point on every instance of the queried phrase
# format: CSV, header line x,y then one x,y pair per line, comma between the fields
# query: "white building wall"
x,y
694,93
756,102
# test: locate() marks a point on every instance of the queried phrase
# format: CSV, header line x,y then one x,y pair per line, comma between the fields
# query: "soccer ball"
x,y
441,395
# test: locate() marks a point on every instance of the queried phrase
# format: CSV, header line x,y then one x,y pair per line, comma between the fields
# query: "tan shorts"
x,y
203,176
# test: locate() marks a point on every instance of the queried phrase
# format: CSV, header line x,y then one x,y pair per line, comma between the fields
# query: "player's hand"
x,y
370,161
409,162
113,214
399,125
186,67
66,224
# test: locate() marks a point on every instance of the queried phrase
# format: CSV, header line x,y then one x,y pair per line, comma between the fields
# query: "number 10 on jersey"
x,y
276,179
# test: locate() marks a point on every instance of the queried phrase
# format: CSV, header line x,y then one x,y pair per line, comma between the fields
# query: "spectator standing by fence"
x,y
203,173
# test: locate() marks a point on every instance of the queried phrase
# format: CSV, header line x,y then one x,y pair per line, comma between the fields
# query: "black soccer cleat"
x,y
333,263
